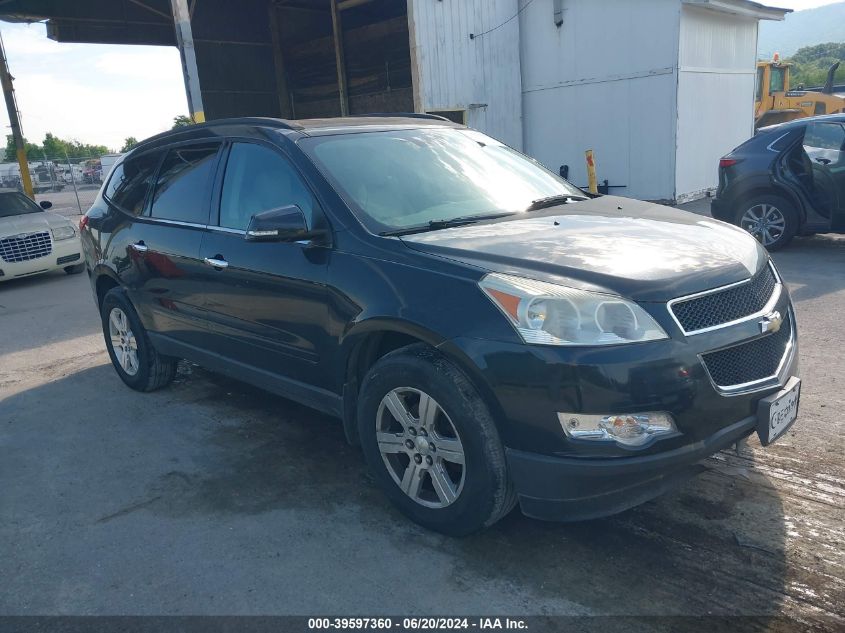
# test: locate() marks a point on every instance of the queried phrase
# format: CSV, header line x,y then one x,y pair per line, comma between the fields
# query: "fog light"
x,y
627,429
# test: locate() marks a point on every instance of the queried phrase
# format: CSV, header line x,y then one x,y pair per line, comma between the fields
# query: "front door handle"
x,y
139,247
216,262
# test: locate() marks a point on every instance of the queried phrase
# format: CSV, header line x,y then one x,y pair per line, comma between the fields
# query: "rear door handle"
x,y
139,247
214,262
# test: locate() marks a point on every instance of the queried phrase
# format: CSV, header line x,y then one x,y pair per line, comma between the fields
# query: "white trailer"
x,y
659,89
45,176
107,161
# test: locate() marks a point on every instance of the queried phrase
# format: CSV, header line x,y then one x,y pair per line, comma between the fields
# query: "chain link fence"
x,y
70,184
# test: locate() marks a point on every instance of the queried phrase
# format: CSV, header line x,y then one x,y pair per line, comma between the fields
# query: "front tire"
x,y
74,270
135,359
431,443
771,220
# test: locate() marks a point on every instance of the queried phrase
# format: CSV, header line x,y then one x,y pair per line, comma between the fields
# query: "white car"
x,y
34,241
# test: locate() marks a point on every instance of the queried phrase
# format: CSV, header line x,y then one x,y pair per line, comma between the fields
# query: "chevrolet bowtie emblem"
x,y
771,323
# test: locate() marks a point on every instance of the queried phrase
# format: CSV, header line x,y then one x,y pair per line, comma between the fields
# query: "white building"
x,y
659,89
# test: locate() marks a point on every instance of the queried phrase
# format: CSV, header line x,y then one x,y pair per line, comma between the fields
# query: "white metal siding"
x,y
481,75
715,94
605,80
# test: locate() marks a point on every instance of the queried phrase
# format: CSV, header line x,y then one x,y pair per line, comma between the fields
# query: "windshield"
x,y
408,178
14,203
778,81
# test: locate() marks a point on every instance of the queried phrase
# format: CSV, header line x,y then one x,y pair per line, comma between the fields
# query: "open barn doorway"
x,y
350,58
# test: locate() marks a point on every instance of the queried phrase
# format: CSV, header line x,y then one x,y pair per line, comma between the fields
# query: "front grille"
x,y
726,306
22,248
749,362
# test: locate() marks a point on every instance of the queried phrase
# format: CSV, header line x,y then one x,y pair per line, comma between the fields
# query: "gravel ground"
x,y
211,497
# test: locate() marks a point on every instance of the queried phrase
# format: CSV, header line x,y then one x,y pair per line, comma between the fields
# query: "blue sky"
x,y
101,94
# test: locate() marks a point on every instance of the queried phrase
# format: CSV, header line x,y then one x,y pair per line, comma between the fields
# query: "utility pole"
x,y
14,121
185,42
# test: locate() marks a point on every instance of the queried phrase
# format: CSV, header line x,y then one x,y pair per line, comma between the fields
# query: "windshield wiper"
x,y
436,225
553,201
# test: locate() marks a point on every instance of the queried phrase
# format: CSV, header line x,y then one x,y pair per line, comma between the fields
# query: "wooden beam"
x,y
282,90
340,60
343,5
296,7
151,9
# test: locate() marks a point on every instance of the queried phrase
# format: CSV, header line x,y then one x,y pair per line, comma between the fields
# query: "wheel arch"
x,y
773,190
104,280
371,340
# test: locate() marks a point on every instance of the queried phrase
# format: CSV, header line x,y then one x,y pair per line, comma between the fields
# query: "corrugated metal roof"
x,y
746,8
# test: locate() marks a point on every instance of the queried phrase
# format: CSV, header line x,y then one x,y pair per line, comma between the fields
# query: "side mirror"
x,y
45,204
285,224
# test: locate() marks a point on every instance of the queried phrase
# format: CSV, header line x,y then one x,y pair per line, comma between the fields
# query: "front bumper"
x,y
559,478
560,489
64,253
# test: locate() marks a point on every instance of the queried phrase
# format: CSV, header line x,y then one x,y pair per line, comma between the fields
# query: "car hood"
x,y
31,223
644,251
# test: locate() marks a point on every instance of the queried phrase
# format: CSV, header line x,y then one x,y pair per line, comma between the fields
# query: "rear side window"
x,y
183,185
825,136
825,144
130,182
258,179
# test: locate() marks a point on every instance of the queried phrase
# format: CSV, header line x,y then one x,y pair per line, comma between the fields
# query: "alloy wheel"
x,y
765,222
420,447
123,341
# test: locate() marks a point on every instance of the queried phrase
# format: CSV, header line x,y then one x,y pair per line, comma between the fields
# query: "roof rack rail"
x,y
266,121
403,115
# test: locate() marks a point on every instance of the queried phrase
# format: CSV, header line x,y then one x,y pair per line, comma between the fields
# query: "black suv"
x,y
487,332
788,179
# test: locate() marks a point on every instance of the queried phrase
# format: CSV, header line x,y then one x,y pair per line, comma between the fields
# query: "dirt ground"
x,y
211,497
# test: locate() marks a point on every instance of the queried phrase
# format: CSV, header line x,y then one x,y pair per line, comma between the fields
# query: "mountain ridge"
x,y
800,29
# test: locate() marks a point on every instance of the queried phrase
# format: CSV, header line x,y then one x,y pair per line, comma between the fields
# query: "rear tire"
x,y
75,269
447,423
771,220
135,359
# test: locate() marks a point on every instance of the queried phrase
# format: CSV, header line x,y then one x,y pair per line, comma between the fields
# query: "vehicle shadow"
x,y
210,448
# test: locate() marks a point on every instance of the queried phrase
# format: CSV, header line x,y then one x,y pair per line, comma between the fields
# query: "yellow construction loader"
x,y
776,102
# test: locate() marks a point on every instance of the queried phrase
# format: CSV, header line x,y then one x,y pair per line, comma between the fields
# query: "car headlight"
x,y
548,314
63,232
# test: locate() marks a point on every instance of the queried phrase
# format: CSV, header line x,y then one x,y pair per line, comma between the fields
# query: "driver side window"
x,y
259,179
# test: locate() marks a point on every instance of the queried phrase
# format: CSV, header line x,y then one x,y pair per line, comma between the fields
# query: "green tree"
x,y
810,64
75,149
128,144
11,154
181,121
54,148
